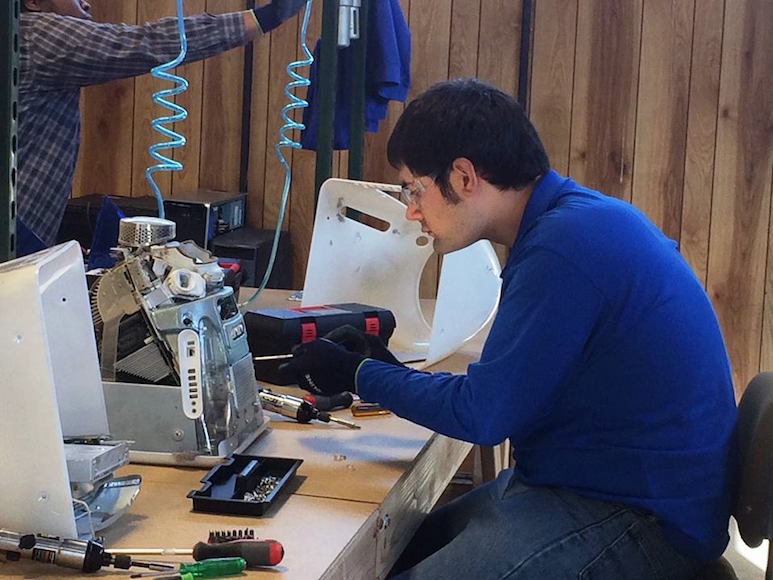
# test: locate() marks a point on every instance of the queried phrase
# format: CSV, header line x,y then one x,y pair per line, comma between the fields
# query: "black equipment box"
x,y
204,214
199,216
277,330
80,215
252,249
244,485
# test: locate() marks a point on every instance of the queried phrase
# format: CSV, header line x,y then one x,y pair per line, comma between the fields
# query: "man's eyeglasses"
x,y
411,194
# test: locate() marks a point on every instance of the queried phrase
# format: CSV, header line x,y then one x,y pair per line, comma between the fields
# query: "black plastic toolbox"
x,y
272,331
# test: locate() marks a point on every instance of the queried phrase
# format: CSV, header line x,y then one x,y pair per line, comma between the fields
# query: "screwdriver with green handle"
x,y
212,568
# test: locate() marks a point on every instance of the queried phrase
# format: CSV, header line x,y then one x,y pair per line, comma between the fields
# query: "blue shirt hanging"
x,y
387,75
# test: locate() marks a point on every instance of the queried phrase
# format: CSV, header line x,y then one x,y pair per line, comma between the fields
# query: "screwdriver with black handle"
x,y
342,400
298,409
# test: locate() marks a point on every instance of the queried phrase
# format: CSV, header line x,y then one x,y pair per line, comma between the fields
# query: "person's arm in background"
x,y
68,52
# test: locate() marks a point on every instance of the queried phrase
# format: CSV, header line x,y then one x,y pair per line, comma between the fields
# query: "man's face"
x,y
447,223
75,8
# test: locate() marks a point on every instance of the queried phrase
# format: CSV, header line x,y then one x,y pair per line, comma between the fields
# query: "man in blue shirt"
x,y
605,365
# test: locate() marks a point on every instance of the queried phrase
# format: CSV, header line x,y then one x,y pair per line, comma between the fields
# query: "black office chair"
x,y
754,505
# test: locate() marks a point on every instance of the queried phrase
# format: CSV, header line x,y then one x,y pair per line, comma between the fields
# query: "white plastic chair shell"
x,y
353,262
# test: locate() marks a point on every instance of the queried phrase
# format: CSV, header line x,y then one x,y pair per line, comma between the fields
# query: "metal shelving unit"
x,y
9,107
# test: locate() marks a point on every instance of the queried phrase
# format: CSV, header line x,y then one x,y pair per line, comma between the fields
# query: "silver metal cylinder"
x,y
138,232
50,550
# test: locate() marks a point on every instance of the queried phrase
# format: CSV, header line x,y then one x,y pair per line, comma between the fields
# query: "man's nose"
x,y
412,212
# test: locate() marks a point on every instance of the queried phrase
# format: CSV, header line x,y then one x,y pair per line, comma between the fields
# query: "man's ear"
x,y
32,6
464,179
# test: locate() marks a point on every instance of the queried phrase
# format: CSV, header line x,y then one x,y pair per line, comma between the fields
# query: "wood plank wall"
x,y
665,103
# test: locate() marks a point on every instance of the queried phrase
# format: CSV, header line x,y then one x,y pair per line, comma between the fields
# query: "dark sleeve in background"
x,y
387,75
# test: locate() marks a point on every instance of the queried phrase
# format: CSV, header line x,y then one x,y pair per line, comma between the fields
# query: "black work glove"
x,y
368,345
271,15
323,367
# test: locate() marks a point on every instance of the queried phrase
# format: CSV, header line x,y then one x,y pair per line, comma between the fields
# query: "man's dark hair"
x,y
467,118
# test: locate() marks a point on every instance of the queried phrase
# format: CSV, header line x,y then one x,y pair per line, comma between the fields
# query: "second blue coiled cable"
x,y
179,114
294,102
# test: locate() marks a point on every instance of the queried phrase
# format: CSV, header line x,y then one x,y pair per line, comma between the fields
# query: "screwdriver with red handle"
x,y
254,552
236,544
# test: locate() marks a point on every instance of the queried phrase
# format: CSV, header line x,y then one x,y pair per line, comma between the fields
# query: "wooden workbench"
x,y
353,506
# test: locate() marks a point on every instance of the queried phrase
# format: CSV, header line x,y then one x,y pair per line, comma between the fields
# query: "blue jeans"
x,y
505,529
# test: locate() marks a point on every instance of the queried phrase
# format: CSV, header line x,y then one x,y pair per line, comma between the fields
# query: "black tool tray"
x,y
225,485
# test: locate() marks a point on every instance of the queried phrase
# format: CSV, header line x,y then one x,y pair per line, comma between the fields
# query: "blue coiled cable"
x,y
159,97
294,102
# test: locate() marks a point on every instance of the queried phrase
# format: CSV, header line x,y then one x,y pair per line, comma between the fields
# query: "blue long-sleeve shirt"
x,y
605,366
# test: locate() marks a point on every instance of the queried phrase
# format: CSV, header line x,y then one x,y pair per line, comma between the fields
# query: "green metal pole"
x,y
357,115
328,60
9,107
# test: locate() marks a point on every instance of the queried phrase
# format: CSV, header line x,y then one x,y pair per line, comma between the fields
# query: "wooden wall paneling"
x,y
343,163
301,222
145,110
465,39
742,193
104,162
221,123
260,147
499,45
430,23
766,352
661,114
552,77
499,52
376,167
284,42
604,98
187,179
701,135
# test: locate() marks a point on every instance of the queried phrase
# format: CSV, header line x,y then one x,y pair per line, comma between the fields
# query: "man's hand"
x,y
329,365
271,15
323,367
368,345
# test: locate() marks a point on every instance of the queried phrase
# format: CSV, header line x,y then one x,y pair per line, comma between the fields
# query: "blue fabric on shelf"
x,y
387,75
27,241
105,235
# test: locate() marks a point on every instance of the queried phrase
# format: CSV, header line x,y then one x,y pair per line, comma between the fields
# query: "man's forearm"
x,y
63,52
